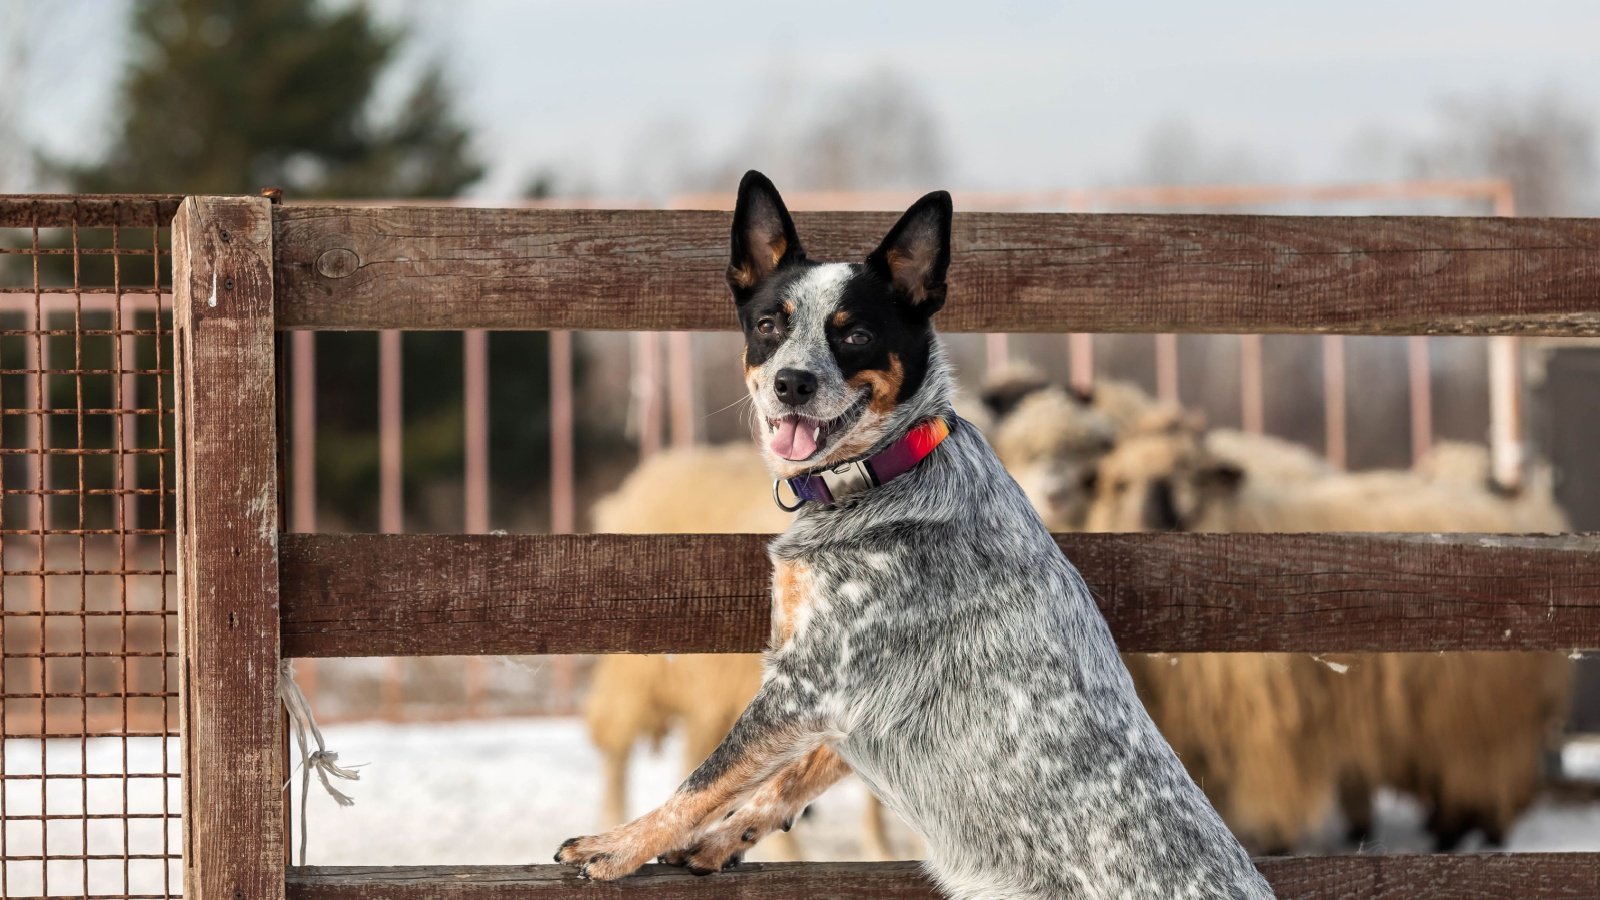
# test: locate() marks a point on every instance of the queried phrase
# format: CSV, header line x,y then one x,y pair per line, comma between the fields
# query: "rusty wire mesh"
x,y
89,796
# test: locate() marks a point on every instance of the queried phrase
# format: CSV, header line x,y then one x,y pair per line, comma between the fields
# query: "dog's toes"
x,y
606,867
589,869
594,859
566,854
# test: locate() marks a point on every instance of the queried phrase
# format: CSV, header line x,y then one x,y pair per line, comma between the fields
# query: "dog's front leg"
x,y
774,805
774,731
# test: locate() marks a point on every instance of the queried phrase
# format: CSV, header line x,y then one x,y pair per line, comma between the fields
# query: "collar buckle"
x,y
847,479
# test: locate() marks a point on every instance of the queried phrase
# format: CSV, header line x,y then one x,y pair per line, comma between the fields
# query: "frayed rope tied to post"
x,y
323,760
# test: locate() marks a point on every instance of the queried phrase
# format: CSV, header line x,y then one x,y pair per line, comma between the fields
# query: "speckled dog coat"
x,y
928,634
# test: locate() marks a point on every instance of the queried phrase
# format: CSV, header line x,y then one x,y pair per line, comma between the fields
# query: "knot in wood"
x,y
337,263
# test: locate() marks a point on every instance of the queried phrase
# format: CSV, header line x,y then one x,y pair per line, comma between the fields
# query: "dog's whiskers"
x,y
744,399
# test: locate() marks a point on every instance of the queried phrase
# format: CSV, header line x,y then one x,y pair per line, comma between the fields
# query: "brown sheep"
x,y
1464,732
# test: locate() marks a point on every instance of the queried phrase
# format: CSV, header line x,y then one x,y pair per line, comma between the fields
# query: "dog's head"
x,y
834,352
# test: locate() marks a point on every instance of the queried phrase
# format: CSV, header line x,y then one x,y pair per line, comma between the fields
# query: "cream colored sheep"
x,y
1464,732
1531,506
1050,441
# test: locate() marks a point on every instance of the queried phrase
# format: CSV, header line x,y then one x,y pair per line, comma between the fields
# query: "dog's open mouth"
x,y
798,438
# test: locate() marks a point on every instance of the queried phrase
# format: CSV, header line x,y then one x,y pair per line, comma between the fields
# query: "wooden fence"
x,y
246,270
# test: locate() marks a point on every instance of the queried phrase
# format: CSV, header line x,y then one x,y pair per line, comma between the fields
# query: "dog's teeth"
x,y
816,433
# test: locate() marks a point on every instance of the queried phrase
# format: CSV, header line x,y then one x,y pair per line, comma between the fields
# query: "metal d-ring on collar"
x,y
778,498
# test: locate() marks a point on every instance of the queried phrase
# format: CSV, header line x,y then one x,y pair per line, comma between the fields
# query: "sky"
x,y
1027,94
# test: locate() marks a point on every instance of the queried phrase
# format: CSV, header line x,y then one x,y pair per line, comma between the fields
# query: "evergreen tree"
x,y
228,96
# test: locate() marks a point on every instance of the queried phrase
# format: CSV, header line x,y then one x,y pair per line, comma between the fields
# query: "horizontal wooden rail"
x,y
442,268
421,595
88,210
1527,876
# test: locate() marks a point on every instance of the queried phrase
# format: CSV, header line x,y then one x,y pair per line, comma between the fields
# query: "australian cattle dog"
x,y
927,632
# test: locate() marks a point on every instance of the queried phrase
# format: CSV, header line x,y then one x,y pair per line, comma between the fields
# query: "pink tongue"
x,y
792,441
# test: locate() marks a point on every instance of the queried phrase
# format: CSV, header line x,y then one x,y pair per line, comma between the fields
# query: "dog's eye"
x,y
859,337
767,325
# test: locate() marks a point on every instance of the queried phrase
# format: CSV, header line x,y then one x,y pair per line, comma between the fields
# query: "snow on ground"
x,y
508,792
503,791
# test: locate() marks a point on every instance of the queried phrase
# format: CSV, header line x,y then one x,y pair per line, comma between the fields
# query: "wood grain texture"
x,y
87,210
413,595
227,550
1528,876
821,881
421,268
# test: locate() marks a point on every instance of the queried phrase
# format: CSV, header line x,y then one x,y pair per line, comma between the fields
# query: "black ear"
x,y
763,236
1002,395
1221,475
915,255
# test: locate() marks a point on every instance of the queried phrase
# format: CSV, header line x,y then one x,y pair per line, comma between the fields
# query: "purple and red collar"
x,y
834,485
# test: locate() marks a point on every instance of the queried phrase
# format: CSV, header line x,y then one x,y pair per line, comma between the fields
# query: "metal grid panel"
x,y
88,624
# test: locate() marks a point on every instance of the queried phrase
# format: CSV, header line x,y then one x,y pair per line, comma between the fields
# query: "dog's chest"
x,y
795,598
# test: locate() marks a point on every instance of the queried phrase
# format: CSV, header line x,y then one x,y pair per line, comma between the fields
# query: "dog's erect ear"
x,y
915,255
763,236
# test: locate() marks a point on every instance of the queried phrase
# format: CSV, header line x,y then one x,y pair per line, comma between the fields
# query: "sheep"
x,y
1531,506
1049,439
1244,726
1464,732
723,489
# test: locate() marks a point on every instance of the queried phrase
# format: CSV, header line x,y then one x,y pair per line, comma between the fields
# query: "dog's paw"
x,y
600,857
722,846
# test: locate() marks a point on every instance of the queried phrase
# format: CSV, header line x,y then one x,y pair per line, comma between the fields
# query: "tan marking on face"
x,y
841,319
788,307
793,591
885,385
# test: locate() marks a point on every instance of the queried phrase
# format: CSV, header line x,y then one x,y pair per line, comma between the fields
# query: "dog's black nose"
x,y
794,386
